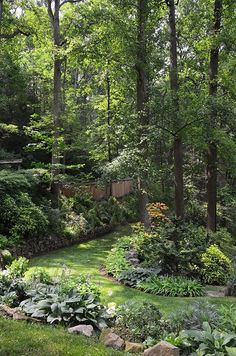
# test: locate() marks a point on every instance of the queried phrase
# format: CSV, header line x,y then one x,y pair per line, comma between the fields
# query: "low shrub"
x,y
216,266
51,304
39,275
208,341
18,267
116,262
227,315
12,285
140,319
193,317
173,287
231,283
134,276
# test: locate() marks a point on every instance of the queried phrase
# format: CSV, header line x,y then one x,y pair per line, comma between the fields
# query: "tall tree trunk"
x,y
212,147
108,118
1,10
142,100
57,83
174,86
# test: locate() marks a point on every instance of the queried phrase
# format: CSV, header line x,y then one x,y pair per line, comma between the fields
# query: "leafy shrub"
x,y
174,246
116,261
12,286
142,319
5,257
216,266
49,303
231,283
225,241
173,287
39,275
208,341
18,267
193,317
228,318
134,276
3,241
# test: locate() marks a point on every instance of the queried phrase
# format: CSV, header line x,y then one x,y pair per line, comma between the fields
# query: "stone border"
x,y
40,246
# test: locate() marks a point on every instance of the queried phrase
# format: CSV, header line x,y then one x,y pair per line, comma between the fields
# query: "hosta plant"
x,y
49,304
210,342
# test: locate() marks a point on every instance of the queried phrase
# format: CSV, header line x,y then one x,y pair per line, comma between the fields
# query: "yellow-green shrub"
x,y
216,266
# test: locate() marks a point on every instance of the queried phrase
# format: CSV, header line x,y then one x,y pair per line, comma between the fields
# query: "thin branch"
x,y
14,34
186,125
69,1
50,12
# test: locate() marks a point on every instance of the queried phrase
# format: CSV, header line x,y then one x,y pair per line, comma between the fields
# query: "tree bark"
x,y
212,146
142,100
174,86
109,118
1,10
57,83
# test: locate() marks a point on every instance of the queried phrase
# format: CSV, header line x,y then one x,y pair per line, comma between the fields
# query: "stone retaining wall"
x,y
36,247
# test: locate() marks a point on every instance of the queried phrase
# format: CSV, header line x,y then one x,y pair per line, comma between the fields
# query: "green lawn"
x,y
87,258
18,338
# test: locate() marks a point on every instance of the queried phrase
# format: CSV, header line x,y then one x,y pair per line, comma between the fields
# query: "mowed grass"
x,y
87,258
18,338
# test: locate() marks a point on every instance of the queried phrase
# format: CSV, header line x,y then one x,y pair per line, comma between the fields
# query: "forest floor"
x,y
88,258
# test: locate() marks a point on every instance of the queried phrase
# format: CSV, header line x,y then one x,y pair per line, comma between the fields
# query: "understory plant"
x,y
171,286
140,320
216,266
49,303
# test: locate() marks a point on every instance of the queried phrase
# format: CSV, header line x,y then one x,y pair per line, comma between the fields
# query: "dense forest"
x,y
94,92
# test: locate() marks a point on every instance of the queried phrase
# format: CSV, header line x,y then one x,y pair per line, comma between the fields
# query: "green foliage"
x,y
3,241
18,267
12,285
142,319
6,257
116,261
39,275
173,287
227,318
133,276
216,266
193,317
208,341
231,283
52,304
174,246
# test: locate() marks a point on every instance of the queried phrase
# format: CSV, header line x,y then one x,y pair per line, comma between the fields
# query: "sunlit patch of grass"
x,y
18,338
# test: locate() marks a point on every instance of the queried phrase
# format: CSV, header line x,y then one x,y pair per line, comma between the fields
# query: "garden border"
x,y
36,246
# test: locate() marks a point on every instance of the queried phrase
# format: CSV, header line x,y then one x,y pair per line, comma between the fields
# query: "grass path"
x,y
88,257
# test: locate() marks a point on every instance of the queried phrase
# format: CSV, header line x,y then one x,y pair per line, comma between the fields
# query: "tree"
x,y
142,100
174,86
212,145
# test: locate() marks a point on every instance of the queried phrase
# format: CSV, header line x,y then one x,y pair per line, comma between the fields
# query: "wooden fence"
x,y
117,189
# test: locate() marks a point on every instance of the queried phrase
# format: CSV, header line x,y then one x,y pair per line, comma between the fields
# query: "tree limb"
x,y
50,12
69,1
14,34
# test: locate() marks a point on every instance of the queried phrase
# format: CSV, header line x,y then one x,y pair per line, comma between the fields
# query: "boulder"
x,y
162,349
86,330
110,339
133,347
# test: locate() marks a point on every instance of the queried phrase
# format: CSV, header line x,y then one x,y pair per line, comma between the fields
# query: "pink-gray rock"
x,y
110,339
86,330
133,347
162,349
